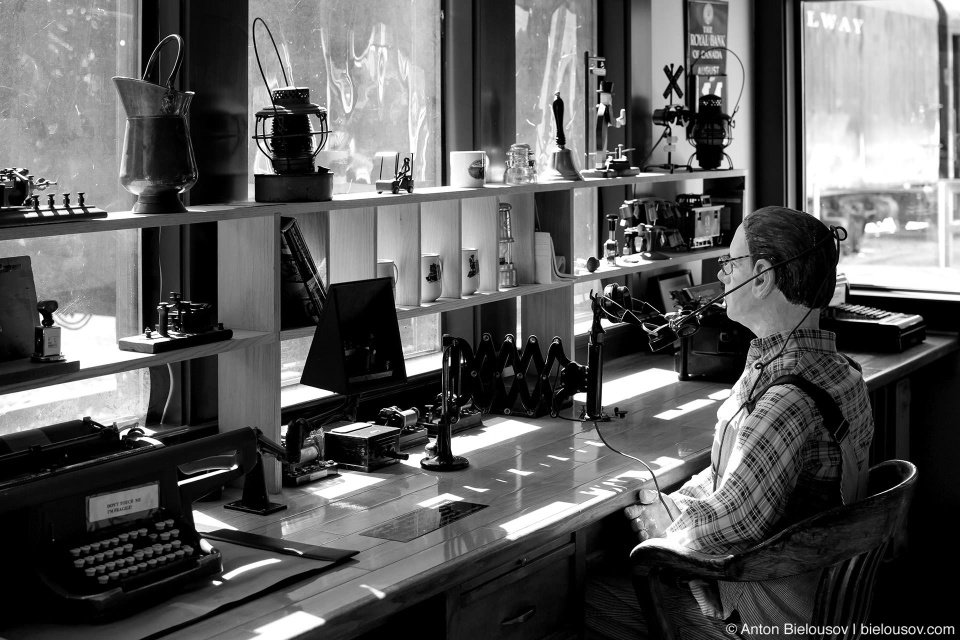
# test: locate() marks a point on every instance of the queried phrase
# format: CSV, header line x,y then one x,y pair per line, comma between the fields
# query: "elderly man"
x,y
774,459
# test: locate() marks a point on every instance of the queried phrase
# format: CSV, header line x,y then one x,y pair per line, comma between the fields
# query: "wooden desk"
x,y
546,482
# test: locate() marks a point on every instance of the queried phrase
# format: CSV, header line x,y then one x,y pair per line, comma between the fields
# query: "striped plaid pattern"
x,y
773,467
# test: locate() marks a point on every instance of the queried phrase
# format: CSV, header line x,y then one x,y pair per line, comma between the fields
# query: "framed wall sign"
x,y
706,31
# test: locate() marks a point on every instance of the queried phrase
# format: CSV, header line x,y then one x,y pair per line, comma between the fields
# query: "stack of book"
x,y
303,293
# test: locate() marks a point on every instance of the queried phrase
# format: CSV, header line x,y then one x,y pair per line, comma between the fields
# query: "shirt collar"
x,y
815,340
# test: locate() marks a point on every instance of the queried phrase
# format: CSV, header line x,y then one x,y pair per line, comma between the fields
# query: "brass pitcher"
x,y
157,162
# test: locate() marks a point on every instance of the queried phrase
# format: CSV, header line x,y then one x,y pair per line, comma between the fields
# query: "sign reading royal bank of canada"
x,y
706,49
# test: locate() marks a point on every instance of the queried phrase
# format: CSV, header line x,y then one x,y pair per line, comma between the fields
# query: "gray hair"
x,y
778,234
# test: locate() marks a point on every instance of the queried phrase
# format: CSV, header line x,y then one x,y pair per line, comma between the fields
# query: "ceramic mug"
x,y
469,272
388,269
431,272
468,168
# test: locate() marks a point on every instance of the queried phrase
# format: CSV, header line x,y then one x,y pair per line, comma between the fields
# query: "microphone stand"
x,y
593,411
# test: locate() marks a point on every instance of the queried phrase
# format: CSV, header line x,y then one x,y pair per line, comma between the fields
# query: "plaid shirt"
x,y
778,464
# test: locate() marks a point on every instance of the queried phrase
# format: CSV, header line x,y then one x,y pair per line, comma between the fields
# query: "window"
x,y
376,69
873,144
60,118
551,37
374,66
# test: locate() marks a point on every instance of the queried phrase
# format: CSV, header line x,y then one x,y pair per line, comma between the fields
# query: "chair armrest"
x,y
665,554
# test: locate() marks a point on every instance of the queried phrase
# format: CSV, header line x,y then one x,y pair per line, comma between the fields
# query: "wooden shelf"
x,y
623,269
118,361
233,211
121,220
447,304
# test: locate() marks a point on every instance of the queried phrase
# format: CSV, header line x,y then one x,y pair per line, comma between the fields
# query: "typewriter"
x,y
862,328
99,520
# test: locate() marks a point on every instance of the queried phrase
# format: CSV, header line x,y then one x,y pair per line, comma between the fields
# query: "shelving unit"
x,y
346,236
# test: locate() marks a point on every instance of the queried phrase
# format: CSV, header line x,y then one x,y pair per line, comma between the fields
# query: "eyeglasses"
x,y
726,261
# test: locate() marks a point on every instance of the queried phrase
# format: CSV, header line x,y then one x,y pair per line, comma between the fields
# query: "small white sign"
x,y
106,507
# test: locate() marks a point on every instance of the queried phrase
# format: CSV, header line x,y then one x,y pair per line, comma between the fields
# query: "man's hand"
x,y
648,517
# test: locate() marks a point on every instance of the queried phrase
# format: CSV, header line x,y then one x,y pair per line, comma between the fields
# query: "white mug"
x,y
388,269
468,168
469,272
431,273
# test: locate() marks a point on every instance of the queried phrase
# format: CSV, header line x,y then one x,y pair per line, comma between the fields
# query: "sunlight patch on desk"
x,y
685,409
633,385
289,626
553,512
380,595
634,474
477,489
346,483
250,567
544,464
519,472
436,501
594,443
558,458
474,439
205,523
723,394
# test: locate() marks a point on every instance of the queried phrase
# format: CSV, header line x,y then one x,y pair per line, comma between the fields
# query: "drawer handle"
x,y
523,617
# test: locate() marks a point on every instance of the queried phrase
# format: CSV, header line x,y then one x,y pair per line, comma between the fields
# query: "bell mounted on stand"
x,y
285,135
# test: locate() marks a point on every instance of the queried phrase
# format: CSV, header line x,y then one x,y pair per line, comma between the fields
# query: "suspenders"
x,y
853,481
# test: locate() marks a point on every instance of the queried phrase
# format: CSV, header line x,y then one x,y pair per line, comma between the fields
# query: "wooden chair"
x,y
848,542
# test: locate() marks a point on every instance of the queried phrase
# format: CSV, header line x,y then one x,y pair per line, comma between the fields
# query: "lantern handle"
x,y
743,76
253,30
176,65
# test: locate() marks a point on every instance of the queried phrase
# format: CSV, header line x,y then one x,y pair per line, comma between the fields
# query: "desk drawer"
x,y
534,600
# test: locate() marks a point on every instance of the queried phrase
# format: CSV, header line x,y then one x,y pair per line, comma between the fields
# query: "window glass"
x,y
374,66
551,37
872,140
61,119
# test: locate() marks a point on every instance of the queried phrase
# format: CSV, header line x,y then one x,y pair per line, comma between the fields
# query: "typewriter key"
x,y
114,575
103,579
151,563
78,563
124,537
90,571
94,546
75,552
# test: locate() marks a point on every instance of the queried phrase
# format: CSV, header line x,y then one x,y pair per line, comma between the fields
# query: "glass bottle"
x,y
610,245
508,272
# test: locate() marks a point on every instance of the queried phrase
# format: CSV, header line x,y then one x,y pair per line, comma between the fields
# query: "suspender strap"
x,y
853,482
833,418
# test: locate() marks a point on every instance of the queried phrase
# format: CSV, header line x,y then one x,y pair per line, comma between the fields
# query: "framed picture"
x,y
671,282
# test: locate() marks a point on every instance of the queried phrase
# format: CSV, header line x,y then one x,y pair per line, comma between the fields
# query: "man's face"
x,y
741,302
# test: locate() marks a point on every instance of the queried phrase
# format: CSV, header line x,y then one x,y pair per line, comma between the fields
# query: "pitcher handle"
x,y
176,65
